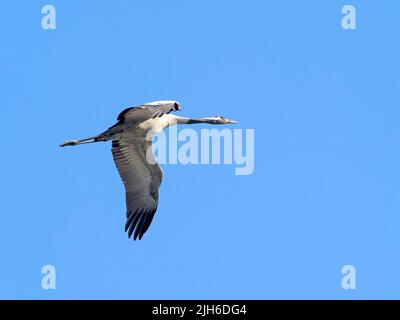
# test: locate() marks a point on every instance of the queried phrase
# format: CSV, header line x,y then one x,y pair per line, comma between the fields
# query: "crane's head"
x,y
174,104
219,120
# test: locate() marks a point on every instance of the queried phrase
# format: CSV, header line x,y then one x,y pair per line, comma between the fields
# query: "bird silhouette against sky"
x,y
131,139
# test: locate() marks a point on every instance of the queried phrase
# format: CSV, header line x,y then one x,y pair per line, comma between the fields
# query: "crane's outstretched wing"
x,y
142,178
144,112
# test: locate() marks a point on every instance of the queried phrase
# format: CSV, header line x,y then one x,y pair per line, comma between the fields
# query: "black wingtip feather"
x,y
147,222
138,223
134,223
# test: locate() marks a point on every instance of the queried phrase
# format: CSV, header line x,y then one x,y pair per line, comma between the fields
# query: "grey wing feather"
x,y
142,180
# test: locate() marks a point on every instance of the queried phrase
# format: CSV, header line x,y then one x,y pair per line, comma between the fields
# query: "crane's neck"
x,y
173,119
167,120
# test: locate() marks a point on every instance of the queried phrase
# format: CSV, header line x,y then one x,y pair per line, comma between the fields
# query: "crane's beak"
x,y
231,121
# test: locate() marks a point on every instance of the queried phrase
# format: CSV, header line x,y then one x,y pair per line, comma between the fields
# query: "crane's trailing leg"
x,y
75,142
84,141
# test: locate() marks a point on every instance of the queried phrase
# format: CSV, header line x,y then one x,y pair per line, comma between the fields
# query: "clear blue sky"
x,y
324,104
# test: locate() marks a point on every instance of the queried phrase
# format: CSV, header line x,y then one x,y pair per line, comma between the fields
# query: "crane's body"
x,y
133,156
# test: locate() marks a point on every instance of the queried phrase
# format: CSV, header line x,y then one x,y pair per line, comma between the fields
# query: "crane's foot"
x,y
69,143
